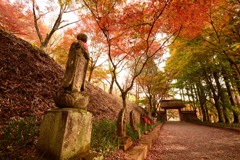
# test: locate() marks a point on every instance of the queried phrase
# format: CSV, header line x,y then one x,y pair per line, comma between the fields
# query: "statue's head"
x,y
82,37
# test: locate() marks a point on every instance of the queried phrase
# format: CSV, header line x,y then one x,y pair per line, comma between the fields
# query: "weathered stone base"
x,y
65,133
126,143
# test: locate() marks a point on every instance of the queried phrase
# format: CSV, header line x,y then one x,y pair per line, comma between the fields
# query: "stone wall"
x,y
188,116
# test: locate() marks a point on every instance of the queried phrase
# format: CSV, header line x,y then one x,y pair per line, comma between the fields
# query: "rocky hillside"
x,y
29,78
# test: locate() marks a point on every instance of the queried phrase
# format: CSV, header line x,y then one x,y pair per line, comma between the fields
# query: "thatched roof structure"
x,y
172,104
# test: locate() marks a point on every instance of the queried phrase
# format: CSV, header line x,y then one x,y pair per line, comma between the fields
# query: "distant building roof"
x,y
171,104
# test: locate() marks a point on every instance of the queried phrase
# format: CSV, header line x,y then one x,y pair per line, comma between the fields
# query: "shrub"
x,y
17,134
104,137
131,133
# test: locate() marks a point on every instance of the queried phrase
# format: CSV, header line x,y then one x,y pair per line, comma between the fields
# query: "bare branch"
x,y
68,24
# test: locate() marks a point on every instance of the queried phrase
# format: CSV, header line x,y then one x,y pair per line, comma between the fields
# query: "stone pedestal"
x,y
65,133
126,143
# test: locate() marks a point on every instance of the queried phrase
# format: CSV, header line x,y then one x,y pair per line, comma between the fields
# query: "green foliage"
x,y
17,134
131,133
224,125
235,109
147,127
104,137
142,128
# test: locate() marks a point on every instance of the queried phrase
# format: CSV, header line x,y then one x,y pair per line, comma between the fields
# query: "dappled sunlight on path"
x,y
185,141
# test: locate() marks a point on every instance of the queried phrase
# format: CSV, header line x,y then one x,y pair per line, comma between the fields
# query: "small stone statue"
x,y
70,95
76,66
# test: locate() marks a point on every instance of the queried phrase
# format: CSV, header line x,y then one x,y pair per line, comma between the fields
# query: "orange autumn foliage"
x,y
16,18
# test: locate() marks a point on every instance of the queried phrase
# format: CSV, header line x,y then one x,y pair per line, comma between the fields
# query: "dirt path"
x,y
185,141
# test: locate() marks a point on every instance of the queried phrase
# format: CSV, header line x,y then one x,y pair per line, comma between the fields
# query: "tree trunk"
x,y
121,120
182,94
193,96
231,99
236,78
188,95
150,102
207,112
137,92
124,99
215,96
90,74
111,85
154,104
202,100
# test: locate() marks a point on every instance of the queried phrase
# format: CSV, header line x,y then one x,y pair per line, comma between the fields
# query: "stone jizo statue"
x,y
76,66
70,95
